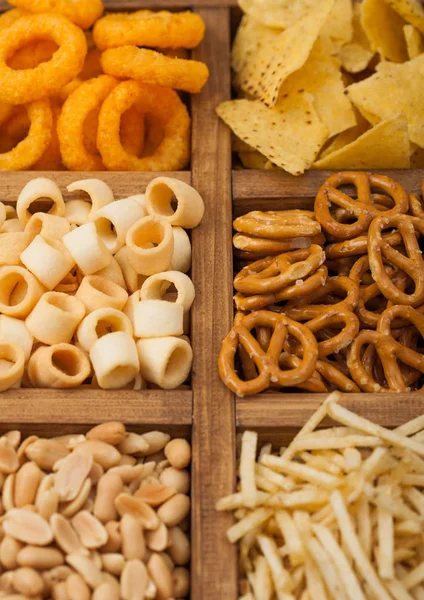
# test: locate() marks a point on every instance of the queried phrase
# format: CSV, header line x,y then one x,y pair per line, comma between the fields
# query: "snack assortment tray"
x,y
208,413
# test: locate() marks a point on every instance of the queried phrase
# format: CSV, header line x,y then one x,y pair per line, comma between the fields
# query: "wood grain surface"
x,y
115,5
214,560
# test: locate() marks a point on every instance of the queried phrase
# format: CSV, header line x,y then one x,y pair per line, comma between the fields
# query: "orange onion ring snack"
x,y
130,62
81,12
146,28
31,149
86,98
22,86
173,151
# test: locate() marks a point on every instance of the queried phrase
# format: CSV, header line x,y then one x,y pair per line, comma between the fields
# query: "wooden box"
x,y
208,413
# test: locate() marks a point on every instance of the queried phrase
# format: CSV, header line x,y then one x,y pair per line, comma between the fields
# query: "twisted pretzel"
x,y
267,362
358,245
297,290
278,225
412,264
362,208
335,377
282,271
257,247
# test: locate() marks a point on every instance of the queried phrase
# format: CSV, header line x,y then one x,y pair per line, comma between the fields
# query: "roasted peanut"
x,y
9,461
45,453
26,484
161,576
64,534
109,487
133,544
114,541
111,433
181,582
104,454
156,440
158,539
146,516
174,510
91,532
69,509
133,443
76,588
86,568
113,563
134,580
155,494
9,550
179,546
39,558
178,452
28,581
173,478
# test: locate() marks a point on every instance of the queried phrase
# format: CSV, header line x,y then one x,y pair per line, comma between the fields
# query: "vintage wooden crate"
x,y
207,413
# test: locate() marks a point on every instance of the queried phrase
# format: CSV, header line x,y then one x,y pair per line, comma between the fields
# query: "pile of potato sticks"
x,y
337,515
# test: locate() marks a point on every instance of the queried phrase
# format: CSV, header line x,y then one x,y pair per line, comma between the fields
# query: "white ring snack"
x,y
114,220
156,286
115,360
99,192
48,260
12,245
150,245
158,318
33,191
160,193
15,331
99,323
47,225
58,366
95,293
181,258
19,292
87,249
15,356
55,318
165,361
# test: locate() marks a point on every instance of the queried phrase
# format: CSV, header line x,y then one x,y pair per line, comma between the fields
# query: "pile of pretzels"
x,y
330,299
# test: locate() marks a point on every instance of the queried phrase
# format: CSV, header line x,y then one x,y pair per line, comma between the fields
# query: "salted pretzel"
x,y
330,372
380,252
250,247
363,209
281,272
297,290
416,204
358,245
278,225
267,362
340,266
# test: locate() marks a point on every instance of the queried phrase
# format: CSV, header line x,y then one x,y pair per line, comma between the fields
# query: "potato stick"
x,y
326,567
353,459
334,457
413,479
379,462
414,577
333,431
265,449
234,501
385,543
265,485
345,550
350,581
291,537
398,590
416,498
411,542
247,468
280,576
394,505
314,582
322,513
247,596
263,587
312,423
403,554
363,520
333,443
298,576
320,463
407,528
305,596
417,463
300,471
347,417
418,592
362,563
299,499
411,427
285,483
254,519
418,437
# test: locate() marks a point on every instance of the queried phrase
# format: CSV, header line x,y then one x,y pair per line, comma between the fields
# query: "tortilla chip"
x,y
417,157
321,76
264,72
414,41
411,10
237,145
253,160
385,146
393,89
338,28
346,137
384,29
289,137
250,37
278,13
356,56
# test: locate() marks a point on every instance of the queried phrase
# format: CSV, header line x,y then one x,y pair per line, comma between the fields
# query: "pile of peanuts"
x,y
101,516
86,288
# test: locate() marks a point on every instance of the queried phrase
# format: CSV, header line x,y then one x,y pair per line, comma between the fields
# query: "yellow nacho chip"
x,y
278,13
394,88
267,69
356,56
321,76
414,41
417,157
384,29
250,37
254,160
385,146
338,28
411,10
289,137
346,137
